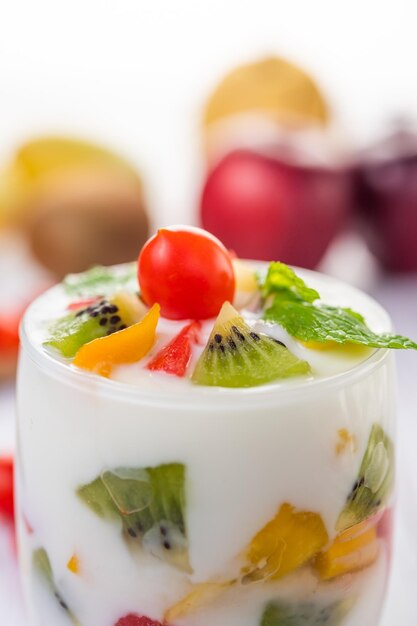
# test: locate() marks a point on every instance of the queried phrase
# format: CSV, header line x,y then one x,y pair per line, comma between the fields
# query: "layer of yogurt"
x,y
324,363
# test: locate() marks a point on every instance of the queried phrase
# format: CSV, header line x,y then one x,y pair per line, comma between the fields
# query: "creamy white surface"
x,y
53,305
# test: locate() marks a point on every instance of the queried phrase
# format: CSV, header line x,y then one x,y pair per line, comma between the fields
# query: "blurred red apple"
x,y
387,195
263,208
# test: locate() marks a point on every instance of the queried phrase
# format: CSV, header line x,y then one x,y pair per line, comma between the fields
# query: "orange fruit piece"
x,y
74,564
200,595
352,550
125,346
288,541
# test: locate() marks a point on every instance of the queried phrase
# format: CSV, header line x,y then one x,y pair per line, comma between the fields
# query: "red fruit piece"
x,y
175,357
264,208
6,488
187,271
9,333
136,620
80,304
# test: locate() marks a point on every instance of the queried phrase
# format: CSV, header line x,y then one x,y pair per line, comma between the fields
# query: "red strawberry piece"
x,y
136,620
175,356
80,304
6,488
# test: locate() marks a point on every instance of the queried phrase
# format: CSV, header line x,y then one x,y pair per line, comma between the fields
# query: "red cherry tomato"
x,y
136,620
6,488
187,271
175,357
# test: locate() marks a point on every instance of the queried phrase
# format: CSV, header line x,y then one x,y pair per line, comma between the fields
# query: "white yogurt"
x,y
246,452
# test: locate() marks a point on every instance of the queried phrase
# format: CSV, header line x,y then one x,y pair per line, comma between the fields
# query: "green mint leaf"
x,y
99,280
282,279
322,323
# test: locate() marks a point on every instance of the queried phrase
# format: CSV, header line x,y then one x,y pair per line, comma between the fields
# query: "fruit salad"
x,y
203,440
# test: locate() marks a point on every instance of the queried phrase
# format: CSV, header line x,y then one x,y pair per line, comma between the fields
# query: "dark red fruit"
x,y
136,620
175,357
6,488
265,209
387,195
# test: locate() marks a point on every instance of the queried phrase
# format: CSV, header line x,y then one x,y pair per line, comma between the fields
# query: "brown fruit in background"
x,y
79,203
86,216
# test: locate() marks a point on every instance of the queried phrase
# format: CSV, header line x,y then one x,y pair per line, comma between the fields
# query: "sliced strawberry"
x,y
136,620
6,488
175,357
81,304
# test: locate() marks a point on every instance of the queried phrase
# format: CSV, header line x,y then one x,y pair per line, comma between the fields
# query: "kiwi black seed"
x,y
374,483
97,320
237,356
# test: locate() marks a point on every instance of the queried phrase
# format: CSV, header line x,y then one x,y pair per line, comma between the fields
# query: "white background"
x,y
135,75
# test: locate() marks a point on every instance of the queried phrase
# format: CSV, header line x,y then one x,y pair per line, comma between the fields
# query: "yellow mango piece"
x,y
125,346
346,349
352,550
74,564
245,276
346,442
288,541
246,284
201,594
319,345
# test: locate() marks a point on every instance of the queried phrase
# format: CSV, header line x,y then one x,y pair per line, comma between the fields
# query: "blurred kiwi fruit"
x,y
78,203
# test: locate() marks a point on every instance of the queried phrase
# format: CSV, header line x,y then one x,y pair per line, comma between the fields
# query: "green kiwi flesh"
x,y
307,614
374,482
149,502
42,566
236,356
103,318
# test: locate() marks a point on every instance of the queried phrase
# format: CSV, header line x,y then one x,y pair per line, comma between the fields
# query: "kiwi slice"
x,y
374,482
42,566
109,315
304,614
236,356
149,502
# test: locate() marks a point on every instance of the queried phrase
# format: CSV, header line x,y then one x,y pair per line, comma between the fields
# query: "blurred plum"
x,y
387,198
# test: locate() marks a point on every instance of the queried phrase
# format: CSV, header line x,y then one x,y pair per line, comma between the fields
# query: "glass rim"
x,y
197,396
201,397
